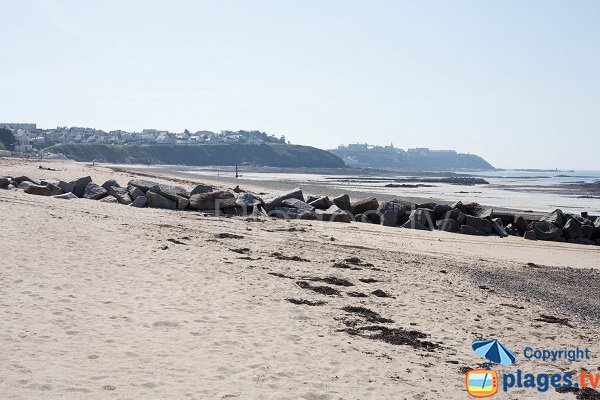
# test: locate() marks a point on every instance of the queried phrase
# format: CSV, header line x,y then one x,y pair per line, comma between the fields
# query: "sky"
x,y
516,82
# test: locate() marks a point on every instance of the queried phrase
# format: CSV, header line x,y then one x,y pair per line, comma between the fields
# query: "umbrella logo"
x,y
494,351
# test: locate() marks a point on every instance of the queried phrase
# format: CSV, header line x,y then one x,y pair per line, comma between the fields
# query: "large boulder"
x,y
441,210
121,194
530,235
390,213
66,186
135,192
212,201
556,217
448,225
140,202
414,224
322,202
588,231
298,204
498,227
343,202
94,192
482,225
512,230
364,205
109,199
80,184
333,214
505,216
247,200
110,183
292,213
521,225
173,192
275,200
469,230
144,185
201,188
182,203
48,190
19,179
4,181
423,216
545,230
155,200
572,229
293,194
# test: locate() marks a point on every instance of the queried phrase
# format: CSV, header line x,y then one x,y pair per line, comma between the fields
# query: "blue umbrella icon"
x,y
493,351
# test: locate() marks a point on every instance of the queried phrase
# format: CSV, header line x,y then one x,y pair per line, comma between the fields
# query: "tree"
x,y
7,138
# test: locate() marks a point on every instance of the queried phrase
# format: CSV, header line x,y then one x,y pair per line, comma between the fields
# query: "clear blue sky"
x,y
517,82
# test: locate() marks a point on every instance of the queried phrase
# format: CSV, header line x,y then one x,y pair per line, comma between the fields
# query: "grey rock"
x,y
430,205
94,192
19,179
343,202
182,203
66,196
293,194
173,192
213,201
38,190
321,202
80,185
530,235
545,230
448,225
486,213
512,230
414,224
135,192
480,224
110,183
556,217
66,186
364,205
470,230
588,231
521,225
292,213
201,188
498,227
390,213
144,185
139,202
270,202
310,198
442,210
298,204
4,181
121,194
247,200
582,240
423,216
505,217
453,213
155,200
388,218
333,214
572,229
109,199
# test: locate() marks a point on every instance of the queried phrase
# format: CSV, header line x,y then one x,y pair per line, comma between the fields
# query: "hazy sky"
x,y
517,82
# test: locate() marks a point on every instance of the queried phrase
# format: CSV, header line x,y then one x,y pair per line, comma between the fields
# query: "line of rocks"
x,y
470,219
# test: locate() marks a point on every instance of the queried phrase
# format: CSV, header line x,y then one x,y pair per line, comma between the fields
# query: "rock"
x,y
38,190
390,213
498,227
459,206
448,225
469,230
66,186
66,196
521,225
512,230
321,202
135,192
486,213
530,235
247,200
311,198
173,192
364,205
270,202
581,240
556,217
343,202
110,183
139,202
144,185
572,229
480,224
293,194
362,218
505,217
588,231
20,179
414,224
237,189
453,213
474,209
94,192
333,214
121,194
201,188
182,203
430,205
213,201
155,200
109,199
4,181
441,210
80,185
298,204
423,216
584,214
545,230
292,213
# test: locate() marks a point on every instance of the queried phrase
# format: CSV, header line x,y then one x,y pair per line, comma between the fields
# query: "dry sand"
x,y
106,301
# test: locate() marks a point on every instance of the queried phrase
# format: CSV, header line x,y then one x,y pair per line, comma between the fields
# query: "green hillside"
x,y
273,155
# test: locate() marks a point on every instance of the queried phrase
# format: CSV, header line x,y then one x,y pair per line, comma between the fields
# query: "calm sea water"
x,y
524,190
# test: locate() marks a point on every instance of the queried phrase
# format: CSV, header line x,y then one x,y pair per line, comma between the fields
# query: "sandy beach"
x,y
105,301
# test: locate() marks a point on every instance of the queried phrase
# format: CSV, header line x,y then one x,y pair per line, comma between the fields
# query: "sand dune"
x,y
106,301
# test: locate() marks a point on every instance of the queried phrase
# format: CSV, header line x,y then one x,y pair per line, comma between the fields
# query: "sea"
x,y
533,190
